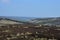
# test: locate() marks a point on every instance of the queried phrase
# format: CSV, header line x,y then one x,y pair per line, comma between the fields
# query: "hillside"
x,y
32,20
47,21
9,21
25,30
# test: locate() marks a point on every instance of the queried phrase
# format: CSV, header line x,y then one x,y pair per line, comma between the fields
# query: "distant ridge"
x,y
18,18
45,21
6,20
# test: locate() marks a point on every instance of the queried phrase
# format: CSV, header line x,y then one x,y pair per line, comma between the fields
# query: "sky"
x,y
30,8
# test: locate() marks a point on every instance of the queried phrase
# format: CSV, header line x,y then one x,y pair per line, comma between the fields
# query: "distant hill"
x,y
33,20
25,19
47,21
14,20
9,21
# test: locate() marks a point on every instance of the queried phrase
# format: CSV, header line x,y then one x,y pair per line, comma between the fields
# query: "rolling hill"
x,y
47,21
44,21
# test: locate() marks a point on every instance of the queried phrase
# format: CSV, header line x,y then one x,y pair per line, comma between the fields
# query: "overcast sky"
x,y
30,8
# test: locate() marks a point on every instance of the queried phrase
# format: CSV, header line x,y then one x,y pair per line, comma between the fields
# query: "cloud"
x,y
6,1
